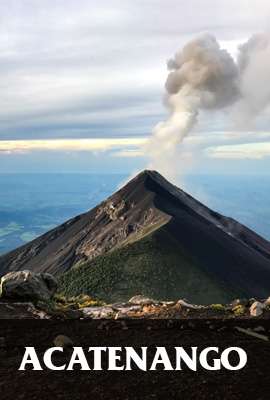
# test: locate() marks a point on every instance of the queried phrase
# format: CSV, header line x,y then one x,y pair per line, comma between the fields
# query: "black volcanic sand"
x,y
252,382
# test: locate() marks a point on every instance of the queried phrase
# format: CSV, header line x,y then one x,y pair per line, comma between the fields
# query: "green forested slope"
x,y
153,266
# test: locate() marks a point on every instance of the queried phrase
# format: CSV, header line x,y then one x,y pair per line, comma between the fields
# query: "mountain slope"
x,y
84,237
155,266
195,247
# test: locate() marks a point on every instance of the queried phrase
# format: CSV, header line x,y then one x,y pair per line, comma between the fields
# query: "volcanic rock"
x,y
141,300
27,285
62,341
267,302
256,309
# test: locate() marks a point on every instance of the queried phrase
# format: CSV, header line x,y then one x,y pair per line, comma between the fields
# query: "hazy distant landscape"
x,y
31,204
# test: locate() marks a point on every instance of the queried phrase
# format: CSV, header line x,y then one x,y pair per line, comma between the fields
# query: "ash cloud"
x,y
204,76
204,70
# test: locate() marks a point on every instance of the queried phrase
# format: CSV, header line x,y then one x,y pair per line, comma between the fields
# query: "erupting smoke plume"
x,y
204,76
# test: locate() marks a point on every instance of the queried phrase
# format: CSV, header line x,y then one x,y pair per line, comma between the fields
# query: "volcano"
x,y
150,237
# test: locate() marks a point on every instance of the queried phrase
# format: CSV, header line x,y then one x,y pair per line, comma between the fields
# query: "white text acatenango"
x,y
127,358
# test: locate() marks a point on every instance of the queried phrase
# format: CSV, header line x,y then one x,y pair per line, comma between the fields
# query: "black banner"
x,y
250,335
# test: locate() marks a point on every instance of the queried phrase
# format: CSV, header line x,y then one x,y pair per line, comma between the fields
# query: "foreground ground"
x,y
146,323
251,382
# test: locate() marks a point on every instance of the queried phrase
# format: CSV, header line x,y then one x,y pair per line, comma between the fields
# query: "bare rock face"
x,y
27,285
115,211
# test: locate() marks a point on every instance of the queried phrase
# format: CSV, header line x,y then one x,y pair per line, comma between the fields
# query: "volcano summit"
x,y
150,237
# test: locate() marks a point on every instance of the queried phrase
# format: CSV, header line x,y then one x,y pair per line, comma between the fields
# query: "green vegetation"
x,y
239,310
154,266
218,307
63,303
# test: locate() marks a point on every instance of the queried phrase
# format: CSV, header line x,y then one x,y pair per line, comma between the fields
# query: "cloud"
x,y
77,63
209,139
252,151
73,145
79,69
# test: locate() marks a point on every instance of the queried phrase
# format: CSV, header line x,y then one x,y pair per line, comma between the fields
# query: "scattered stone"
x,y
142,300
27,285
259,329
137,307
256,309
125,308
251,332
21,310
62,341
38,313
168,303
98,312
251,301
10,307
120,315
223,328
267,302
148,309
184,304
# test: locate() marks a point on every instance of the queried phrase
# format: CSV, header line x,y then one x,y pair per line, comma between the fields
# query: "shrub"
x,y
218,307
62,303
239,310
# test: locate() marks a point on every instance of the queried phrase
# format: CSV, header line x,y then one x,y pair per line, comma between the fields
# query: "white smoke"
x,y
204,76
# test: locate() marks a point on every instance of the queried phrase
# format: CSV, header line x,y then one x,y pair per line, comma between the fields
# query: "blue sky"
x,y
82,84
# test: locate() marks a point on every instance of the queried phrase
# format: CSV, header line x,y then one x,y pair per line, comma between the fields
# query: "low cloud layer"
x,y
244,151
74,145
